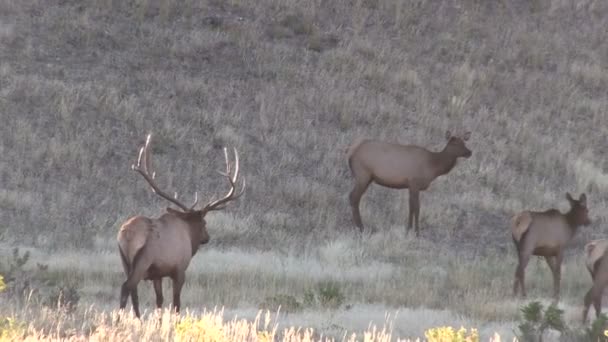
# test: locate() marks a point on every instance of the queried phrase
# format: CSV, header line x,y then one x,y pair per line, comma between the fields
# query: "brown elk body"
x,y
546,234
596,260
401,167
154,248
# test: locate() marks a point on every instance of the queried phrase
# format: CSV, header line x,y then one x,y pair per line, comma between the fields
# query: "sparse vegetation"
x,y
449,334
536,321
326,294
291,84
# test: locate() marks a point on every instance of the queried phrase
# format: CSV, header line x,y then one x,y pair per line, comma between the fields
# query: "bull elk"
x,y
154,248
401,167
597,265
546,234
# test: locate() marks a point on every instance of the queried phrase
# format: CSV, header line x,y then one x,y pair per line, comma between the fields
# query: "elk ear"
x,y
569,197
583,200
448,135
466,136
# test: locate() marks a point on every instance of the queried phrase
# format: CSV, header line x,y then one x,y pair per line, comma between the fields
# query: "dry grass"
x,y
385,275
291,84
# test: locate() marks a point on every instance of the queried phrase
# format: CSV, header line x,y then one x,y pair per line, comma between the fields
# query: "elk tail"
x,y
351,150
125,261
520,225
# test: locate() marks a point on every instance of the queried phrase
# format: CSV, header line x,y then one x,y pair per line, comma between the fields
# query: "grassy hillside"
x,y
291,84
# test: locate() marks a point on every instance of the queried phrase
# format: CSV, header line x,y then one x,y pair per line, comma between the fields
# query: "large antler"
x,y
144,170
232,179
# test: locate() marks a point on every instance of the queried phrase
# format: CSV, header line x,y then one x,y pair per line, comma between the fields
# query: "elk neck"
x,y
572,220
197,231
443,161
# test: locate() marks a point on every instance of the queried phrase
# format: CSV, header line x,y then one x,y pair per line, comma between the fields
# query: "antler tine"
x,y
195,200
242,188
148,163
223,205
236,164
232,179
144,154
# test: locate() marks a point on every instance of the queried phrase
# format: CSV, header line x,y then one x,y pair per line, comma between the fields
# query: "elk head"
x,y
456,144
579,213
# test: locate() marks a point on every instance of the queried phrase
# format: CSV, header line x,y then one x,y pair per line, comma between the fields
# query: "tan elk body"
x,y
596,261
546,234
154,248
401,167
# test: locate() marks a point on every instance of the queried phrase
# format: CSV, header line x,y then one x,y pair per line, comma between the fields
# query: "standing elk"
x,y
546,234
153,248
401,167
596,261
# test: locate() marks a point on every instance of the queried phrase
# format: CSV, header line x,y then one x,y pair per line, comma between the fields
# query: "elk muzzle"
x,y
205,238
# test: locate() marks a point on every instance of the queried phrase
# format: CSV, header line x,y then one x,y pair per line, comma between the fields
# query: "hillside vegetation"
x,y
291,84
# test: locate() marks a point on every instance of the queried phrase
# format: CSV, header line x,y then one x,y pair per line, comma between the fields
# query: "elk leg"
x,y
158,289
135,301
555,266
516,277
124,295
130,287
178,282
557,276
593,295
520,273
597,304
414,210
355,198
587,304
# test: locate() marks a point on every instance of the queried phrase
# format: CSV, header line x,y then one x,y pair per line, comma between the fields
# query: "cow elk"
x,y
596,260
401,167
546,234
594,250
153,248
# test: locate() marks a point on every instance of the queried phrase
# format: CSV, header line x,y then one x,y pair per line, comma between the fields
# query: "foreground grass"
x,y
341,286
52,325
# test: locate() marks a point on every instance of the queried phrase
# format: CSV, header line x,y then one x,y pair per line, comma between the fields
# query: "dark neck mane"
x,y
572,222
443,161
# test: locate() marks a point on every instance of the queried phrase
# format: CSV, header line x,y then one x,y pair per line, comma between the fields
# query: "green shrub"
x,y
326,294
286,303
49,288
62,297
536,322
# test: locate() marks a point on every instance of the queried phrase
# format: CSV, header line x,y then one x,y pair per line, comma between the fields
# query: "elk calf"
x,y
596,260
546,234
401,167
153,248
